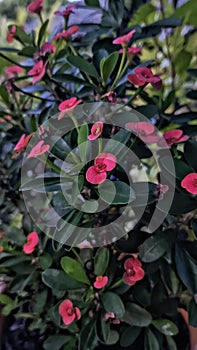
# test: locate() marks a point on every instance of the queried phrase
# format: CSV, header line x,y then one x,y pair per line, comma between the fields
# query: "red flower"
x,y
144,130
111,95
32,241
143,76
67,106
134,271
35,6
96,130
22,144
13,70
131,51
100,282
190,183
38,71
123,40
97,173
67,11
68,312
38,150
11,34
66,33
173,136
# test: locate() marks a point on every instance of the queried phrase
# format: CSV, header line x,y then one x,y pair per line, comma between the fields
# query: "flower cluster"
x,y
103,163
134,271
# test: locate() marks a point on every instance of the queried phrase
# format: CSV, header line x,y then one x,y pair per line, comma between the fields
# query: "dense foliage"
x,y
107,100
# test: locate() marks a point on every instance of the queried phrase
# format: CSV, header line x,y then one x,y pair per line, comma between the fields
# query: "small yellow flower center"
x,y
99,278
70,312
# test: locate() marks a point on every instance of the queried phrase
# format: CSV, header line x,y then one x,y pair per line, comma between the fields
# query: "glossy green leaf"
x,y
101,261
92,3
88,337
116,192
186,266
56,341
171,343
83,65
49,182
57,279
82,141
113,303
90,206
112,338
129,336
151,341
182,203
107,66
5,299
22,36
42,32
165,326
192,312
74,269
154,248
135,315
27,51
189,151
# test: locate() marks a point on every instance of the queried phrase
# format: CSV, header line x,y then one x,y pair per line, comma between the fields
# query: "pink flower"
x,y
38,150
66,33
97,173
13,70
5,118
131,51
68,312
190,183
35,6
134,271
145,131
11,34
173,136
67,106
96,130
32,241
111,95
38,71
22,144
66,12
45,50
123,40
144,76
100,282
161,190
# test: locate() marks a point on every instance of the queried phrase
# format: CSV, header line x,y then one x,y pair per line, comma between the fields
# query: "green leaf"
x,y
189,151
168,22
83,65
42,32
90,206
5,299
113,303
188,12
192,312
186,266
151,341
22,36
120,138
49,182
107,66
66,78
154,248
101,261
182,61
135,315
129,336
142,13
56,341
88,337
116,192
65,231
57,279
45,261
92,3
171,343
182,203
192,95
165,326
82,141
74,269
40,301
27,51
112,338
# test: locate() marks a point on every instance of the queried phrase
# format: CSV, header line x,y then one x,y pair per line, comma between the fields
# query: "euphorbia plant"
x,y
97,245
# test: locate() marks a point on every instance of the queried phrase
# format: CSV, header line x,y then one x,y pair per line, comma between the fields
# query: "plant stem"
x,y
77,255
100,146
10,60
117,283
120,70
